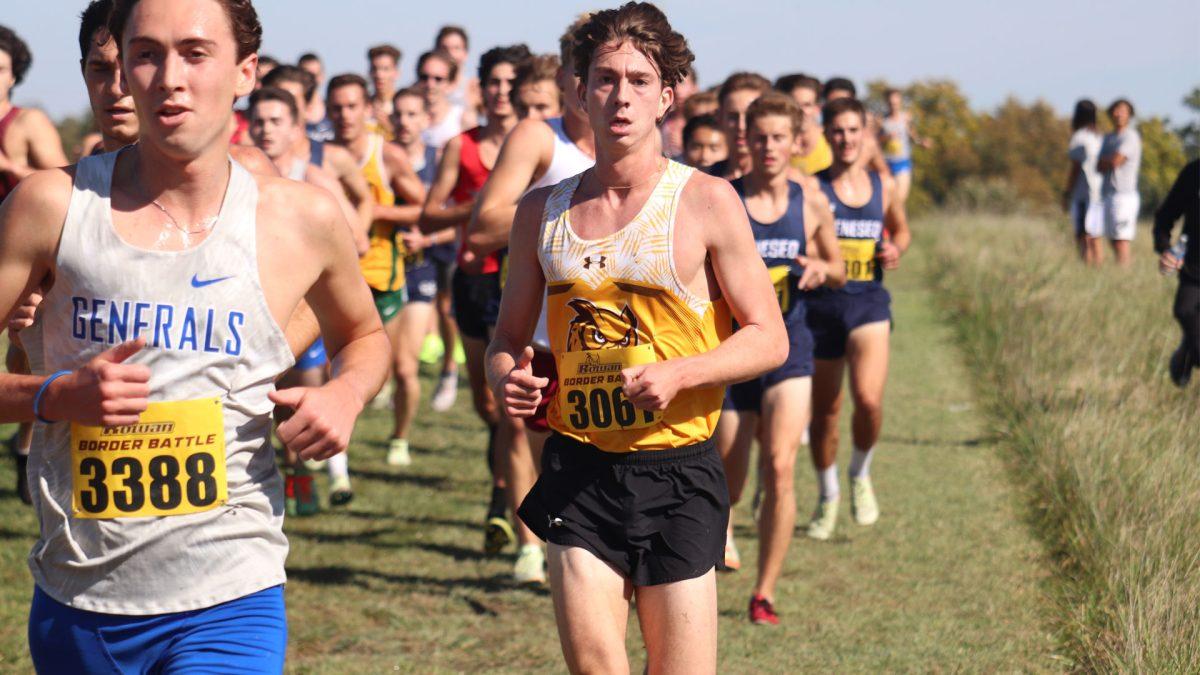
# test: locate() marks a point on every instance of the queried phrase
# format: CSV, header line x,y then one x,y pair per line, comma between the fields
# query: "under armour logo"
x,y
588,262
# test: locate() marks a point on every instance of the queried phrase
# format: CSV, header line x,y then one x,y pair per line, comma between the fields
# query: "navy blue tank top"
x,y
859,231
779,243
316,153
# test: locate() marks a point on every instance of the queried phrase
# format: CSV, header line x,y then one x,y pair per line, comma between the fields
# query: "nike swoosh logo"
x,y
197,283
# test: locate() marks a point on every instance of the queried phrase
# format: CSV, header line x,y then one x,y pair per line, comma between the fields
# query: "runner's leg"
x,y
679,625
785,416
591,608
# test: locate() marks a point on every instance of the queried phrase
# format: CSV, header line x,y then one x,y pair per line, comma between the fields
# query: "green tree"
x,y
72,129
1162,158
1190,132
942,115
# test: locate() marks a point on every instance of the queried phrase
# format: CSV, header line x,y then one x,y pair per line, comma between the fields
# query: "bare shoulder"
x,y
814,196
533,204
394,155
255,160
339,159
709,194
35,211
530,130
303,209
32,119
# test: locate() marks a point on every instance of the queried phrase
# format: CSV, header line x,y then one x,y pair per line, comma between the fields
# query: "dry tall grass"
x,y
1072,363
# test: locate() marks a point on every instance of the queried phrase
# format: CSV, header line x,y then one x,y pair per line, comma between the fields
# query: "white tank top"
x,y
568,160
437,135
210,335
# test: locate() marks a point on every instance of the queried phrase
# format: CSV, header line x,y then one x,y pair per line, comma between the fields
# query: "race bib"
x,y
783,288
859,255
591,396
170,463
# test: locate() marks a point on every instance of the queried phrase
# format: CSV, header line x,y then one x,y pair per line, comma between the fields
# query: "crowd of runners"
x,y
624,257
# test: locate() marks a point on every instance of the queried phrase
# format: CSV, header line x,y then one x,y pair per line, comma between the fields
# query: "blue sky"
x,y
1058,50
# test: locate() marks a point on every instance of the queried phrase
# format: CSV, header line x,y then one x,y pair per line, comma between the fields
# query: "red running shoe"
x,y
762,612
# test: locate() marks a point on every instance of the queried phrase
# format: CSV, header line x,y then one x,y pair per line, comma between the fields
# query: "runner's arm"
x,y
496,206
1186,185
825,237
410,193
45,146
319,177
354,186
895,219
519,309
437,214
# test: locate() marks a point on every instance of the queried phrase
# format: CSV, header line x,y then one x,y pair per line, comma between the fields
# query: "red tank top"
x,y
7,181
472,174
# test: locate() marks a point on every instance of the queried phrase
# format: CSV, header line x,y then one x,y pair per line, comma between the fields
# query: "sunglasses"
x,y
422,77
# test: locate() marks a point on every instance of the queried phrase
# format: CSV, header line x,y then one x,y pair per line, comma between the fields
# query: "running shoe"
x,y
863,506
733,560
383,400
22,462
398,454
762,612
1180,367
340,492
824,520
530,567
300,495
497,535
315,464
445,393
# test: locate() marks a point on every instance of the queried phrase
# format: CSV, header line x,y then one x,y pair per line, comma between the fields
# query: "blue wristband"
x,y
37,400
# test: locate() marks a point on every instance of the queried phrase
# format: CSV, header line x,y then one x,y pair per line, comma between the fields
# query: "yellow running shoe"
x,y
824,520
863,506
531,565
497,535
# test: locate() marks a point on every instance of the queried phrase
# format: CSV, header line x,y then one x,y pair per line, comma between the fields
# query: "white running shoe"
x,y
863,505
446,392
824,520
530,567
398,454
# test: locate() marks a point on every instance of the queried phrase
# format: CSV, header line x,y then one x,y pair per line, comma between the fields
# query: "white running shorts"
x,y
1120,215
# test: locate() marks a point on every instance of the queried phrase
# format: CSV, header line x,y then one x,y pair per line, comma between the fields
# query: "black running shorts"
x,y
658,516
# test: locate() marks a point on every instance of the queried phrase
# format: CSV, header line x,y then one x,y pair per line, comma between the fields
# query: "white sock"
x,y
827,483
339,466
860,463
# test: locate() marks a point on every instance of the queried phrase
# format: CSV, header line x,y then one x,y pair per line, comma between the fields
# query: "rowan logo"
x,y
149,429
599,262
593,366
599,328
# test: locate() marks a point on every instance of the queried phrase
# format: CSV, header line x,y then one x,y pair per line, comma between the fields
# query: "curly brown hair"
x,y
243,19
18,51
644,26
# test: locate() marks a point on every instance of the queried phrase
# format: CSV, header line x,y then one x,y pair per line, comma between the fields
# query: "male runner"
x,y
436,71
409,119
896,136
701,103
161,546
317,125
641,261
815,155
870,155
464,167
463,89
398,195
536,154
538,95
28,142
851,325
384,61
774,408
735,96
672,126
1183,200
704,142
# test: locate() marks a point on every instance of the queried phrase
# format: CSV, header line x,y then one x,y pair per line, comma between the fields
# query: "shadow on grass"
x,y
419,480
339,575
943,442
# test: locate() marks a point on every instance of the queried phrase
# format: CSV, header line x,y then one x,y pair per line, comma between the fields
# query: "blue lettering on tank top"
x,y
779,244
207,330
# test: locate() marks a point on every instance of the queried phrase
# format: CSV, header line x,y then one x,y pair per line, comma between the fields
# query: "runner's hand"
x,y
652,386
323,419
520,391
889,255
1168,263
23,318
105,392
414,241
816,271
471,263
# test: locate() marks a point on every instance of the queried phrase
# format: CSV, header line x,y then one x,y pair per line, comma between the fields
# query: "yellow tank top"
x,y
383,264
818,160
616,302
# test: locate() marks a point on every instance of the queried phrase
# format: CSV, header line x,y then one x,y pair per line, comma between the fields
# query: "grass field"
x,y
1072,366
1030,520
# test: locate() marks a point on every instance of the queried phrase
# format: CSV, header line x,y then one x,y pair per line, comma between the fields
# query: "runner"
x,y
815,155
704,142
1120,160
1183,200
397,194
851,325
538,95
180,569
435,71
317,125
409,119
701,103
735,96
265,65
1081,199
896,135
870,155
385,69
536,154
28,142
672,126
774,408
276,126
464,90
464,167
632,498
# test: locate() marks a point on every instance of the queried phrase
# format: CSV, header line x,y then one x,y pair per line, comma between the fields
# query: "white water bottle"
x,y
1178,251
